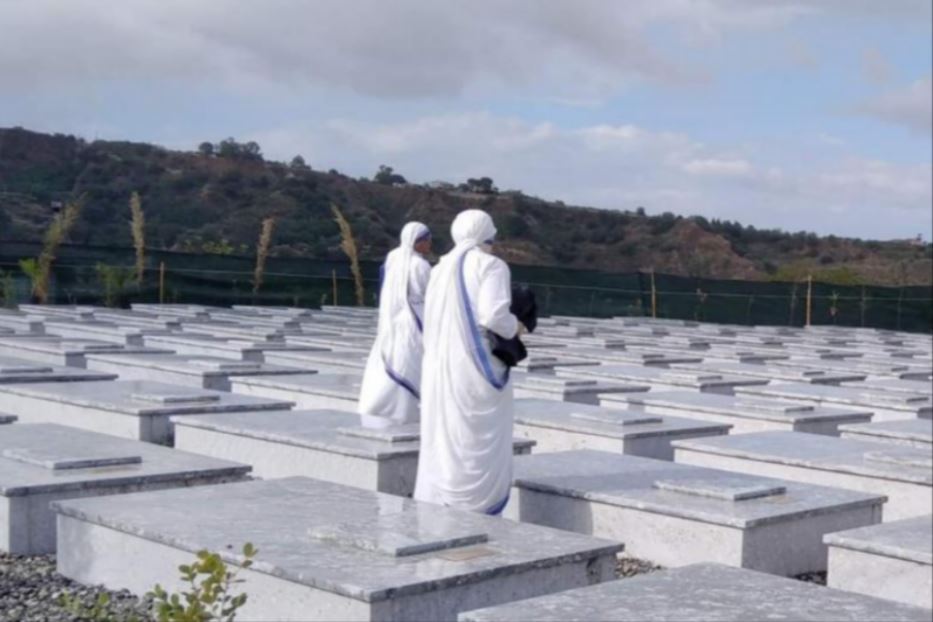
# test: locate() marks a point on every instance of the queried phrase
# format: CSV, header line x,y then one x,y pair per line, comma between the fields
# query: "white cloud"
x,y
910,106
575,51
718,167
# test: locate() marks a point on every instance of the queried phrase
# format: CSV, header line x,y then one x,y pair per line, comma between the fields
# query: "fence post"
x,y
900,296
863,303
161,282
334,277
654,297
809,298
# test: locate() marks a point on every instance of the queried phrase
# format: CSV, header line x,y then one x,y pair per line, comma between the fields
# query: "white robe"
x,y
466,403
391,385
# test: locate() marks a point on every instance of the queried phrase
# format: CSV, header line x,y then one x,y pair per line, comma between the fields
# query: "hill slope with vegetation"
x,y
215,198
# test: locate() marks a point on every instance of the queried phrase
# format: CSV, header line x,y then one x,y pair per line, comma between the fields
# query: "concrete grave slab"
x,y
892,561
558,426
100,330
313,539
903,474
894,368
134,409
911,432
178,310
332,340
328,445
62,352
206,372
666,379
577,390
884,406
339,391
22,322
40,463
542,364
744,414
780,374
197,344
627,357
702,592
674,514
895,385
335,361
139,319
16,370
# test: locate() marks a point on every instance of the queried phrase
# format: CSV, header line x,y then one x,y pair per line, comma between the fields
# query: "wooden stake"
x,y
161,282
809,297
334,277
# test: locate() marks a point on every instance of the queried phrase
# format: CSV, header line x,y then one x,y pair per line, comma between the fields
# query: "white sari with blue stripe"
x,y
466,397
391,386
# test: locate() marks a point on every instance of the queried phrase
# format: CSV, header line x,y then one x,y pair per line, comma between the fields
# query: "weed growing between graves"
x,y
208,597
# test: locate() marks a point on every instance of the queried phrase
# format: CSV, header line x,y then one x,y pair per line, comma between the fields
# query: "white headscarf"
x,y
394,295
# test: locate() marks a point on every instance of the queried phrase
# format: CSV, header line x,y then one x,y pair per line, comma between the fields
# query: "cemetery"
x,y
663,469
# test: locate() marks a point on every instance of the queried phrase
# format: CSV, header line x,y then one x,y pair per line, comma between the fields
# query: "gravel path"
x,y
30,590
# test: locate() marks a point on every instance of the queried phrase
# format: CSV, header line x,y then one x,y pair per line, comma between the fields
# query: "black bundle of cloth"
x,y
525,308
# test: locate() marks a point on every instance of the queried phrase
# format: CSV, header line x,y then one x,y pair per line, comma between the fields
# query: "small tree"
x,y
298,164
387,176
7,289
114,280
40,270
206,149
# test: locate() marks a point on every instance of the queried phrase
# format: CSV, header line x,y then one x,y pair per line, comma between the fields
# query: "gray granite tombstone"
x,y
744,414
675,514
912,432
134,409
702,592
43,462
558,426
206,372
308,391
903,474
326,551
893,560
15,370
324,444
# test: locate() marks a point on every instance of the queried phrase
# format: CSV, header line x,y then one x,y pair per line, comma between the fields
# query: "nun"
x,y
466,402
390,391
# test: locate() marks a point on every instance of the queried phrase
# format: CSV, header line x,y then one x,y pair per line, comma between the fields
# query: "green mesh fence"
x,y
227,280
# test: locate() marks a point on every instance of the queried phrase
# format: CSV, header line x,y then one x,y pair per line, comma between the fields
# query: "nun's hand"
x,y
521,330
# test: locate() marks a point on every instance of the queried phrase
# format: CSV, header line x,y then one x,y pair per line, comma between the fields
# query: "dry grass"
x,y
40,270
348,245
138,228
262,252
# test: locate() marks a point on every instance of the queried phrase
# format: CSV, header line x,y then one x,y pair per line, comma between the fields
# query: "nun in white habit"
x,y
392,381
466,401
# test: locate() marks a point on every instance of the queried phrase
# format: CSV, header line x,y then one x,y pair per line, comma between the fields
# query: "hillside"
x,y
214,200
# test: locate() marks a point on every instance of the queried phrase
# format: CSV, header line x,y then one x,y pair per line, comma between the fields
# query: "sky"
x,y
794,114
